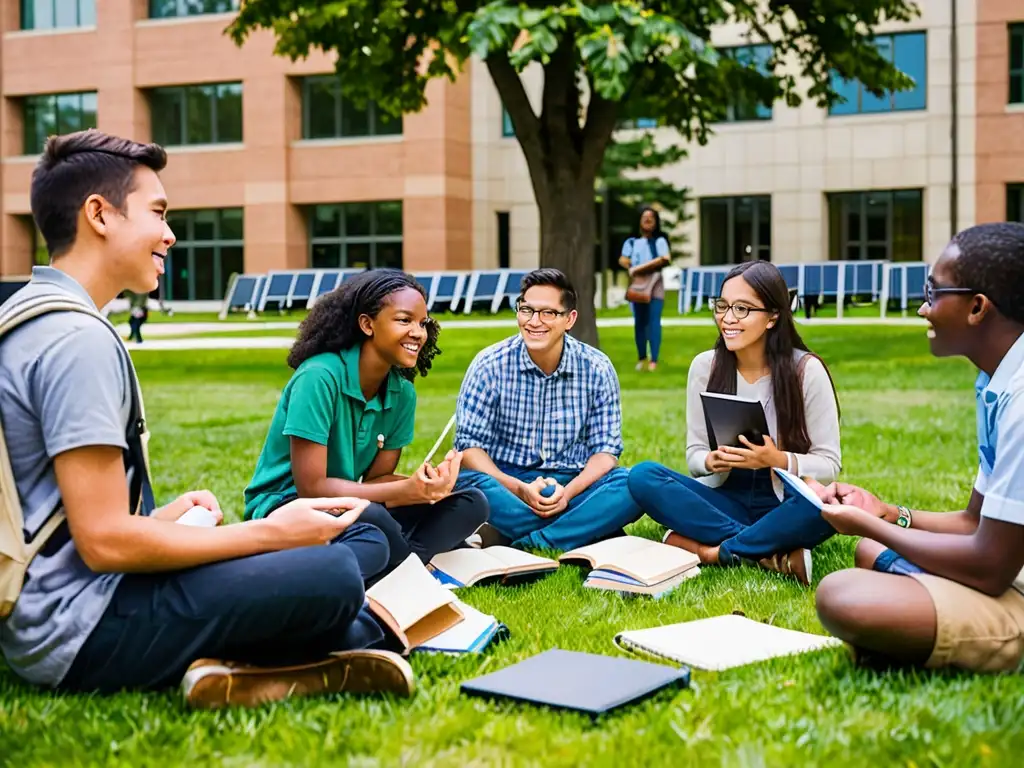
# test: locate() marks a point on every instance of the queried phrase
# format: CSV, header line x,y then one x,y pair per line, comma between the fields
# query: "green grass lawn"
x,y
908,425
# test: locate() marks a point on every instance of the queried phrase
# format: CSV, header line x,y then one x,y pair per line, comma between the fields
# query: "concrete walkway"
x,y
156,330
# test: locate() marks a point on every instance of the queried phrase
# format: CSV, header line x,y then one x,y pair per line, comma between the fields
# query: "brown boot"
x,y
212,684
708,555
796,564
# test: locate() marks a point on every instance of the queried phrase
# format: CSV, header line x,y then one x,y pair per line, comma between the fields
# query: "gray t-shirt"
x,y
66,385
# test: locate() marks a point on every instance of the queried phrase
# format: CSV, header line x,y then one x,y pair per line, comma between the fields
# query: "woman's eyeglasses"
x,y
931,290
739,311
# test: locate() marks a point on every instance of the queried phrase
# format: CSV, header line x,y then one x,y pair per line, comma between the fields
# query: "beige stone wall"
x,y
501,180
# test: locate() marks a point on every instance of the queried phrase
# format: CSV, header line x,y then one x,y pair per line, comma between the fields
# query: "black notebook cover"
x,y
583,682
728,416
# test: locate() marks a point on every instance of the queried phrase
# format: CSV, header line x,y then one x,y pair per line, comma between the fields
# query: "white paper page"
x,y
723,642
464,635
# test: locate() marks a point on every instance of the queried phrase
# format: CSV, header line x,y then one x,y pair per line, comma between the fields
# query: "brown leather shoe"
x,y
796,564
708,555
212,684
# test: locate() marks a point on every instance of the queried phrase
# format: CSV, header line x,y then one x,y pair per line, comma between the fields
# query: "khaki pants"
x,y
973,630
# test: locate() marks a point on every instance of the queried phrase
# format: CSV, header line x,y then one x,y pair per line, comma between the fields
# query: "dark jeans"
x,y
743,517
428,529
135,328
647,328
889,562
273,609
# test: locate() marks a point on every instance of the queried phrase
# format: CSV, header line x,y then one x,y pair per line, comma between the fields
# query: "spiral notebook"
x,y
721,642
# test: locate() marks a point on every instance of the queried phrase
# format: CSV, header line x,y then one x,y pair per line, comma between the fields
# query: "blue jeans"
x,y
647,328
889,562
743,517
601,510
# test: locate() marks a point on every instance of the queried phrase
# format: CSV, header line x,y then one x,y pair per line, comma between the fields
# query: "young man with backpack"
x,y
118,594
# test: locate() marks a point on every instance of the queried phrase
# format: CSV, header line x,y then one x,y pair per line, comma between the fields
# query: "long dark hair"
x,y
781,340
657,231
333,323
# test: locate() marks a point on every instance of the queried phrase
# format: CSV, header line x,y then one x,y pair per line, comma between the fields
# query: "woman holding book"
x,y
645,257
734,508
349,410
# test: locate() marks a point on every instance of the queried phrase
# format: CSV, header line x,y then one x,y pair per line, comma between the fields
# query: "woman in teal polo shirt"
x,y
348,411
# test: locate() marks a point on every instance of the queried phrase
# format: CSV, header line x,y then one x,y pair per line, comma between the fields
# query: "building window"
x,y
735,229
197,114
909,53
1015,202
504,239
876,226
55,113
1017,63
356,235
744,107
208,251
169,9
326,114
57,14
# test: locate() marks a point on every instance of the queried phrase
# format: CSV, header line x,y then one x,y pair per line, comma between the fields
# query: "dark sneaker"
x,y
212,684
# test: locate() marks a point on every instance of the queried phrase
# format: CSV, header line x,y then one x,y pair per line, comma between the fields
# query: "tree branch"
x,y
525,123
602,116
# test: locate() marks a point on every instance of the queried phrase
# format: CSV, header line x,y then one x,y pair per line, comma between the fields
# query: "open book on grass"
x,y
721,642
634,565
413,605
472,635
466,567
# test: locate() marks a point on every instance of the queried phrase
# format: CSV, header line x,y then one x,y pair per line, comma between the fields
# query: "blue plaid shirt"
x,y
1001,438
519,416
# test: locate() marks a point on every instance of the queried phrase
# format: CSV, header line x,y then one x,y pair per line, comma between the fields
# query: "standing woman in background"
x,y
645,256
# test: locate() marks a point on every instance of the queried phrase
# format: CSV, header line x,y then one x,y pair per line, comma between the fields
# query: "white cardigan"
x,y
822,462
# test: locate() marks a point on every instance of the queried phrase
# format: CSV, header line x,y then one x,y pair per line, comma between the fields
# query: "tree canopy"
x,y
602,62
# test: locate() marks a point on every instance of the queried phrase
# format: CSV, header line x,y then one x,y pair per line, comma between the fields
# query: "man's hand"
x,y
185,502
308,522
543,506
754,456
854,496
847,519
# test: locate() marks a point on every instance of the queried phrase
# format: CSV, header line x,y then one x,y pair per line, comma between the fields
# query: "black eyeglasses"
x,y
739,311
527,312
931,290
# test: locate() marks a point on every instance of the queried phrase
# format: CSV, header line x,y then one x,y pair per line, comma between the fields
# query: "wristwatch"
x,y
905,518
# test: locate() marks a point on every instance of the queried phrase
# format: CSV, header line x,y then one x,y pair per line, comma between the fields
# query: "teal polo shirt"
x,y
324,404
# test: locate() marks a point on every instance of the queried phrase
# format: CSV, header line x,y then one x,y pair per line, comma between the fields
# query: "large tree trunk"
x,y
567,234
563,157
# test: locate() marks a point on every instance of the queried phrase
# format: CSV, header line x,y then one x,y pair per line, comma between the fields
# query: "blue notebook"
x,y
583,682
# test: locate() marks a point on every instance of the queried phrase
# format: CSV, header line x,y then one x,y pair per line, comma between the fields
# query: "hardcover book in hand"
x,y
634,565
729,416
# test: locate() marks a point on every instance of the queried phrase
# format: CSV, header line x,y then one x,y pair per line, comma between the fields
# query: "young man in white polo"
x,y
946,589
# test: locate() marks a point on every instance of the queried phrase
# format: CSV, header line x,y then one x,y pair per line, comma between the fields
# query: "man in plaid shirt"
x,y
540,425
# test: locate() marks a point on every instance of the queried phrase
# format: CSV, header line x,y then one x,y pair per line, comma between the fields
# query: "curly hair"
x,y
991,262
333,323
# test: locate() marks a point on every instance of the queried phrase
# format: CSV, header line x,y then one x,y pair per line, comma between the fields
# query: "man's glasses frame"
x,y
526,313
931,291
